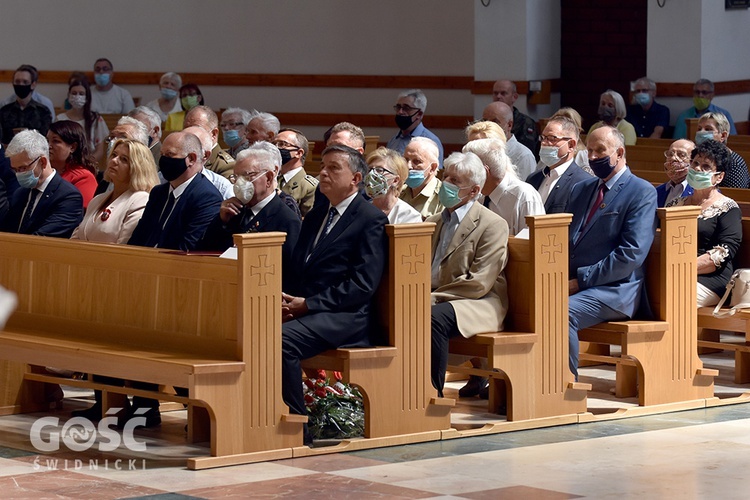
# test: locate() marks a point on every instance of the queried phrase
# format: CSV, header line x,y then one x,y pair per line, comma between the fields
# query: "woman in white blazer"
x,y
112,216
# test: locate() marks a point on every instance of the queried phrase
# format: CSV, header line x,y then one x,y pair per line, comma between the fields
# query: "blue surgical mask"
x,y
643,98
231,137
702,136
168,94
27,179
700,180
549,155
102,79
448,195
415,179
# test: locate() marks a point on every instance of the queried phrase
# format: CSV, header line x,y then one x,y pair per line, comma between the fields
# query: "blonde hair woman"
x,y
383,183
111,217
484,129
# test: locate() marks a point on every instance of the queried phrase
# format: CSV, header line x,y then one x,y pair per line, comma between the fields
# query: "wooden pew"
x,y
531,355
210,325
739,322
659,359
394,378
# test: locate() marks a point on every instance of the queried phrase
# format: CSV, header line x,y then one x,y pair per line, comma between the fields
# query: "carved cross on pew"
x,y
681,239
412,259
262,270
551,248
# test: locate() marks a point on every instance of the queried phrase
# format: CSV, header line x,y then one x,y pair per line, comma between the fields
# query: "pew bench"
x,y
739,322
394,378
528,362
659,359
161,317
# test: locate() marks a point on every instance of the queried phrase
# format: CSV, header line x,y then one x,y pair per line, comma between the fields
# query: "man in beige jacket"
x,y
469,248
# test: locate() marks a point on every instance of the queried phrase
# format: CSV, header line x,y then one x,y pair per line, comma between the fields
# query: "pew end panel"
x,y
659,358
395,378
531,354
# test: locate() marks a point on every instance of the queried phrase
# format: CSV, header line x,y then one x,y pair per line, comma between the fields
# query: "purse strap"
x,y
734,309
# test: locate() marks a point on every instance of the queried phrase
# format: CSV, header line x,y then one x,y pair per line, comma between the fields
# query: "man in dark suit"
x,y
45,204
178,211
339,260
555,181
614,220
255,207
676,164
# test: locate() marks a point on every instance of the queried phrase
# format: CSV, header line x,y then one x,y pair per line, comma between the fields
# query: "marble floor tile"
x,y
67,484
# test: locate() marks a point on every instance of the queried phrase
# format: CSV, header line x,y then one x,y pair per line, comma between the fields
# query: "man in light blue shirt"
x,y
703,93
410,108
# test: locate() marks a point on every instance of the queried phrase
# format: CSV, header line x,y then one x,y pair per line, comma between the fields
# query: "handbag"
x,y
739,286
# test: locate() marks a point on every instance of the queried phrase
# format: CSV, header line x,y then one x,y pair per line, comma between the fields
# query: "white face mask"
x,y
549,155
244,189
77,101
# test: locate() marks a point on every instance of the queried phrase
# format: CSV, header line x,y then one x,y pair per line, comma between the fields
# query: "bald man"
x,y
524,127
220,183
521,156
676,164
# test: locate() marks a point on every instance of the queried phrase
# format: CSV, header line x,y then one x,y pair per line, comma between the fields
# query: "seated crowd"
x,y
184,192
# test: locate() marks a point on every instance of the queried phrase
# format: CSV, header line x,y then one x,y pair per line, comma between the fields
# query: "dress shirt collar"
x,y
46,181
417,132
288,176
262,203
177,192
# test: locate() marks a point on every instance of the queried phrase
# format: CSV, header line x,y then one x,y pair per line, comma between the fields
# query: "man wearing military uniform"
x,y
422,186
204,117
293,180
524,127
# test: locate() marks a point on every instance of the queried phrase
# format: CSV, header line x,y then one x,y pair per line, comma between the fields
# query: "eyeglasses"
x,y
680,155
382,170
405,108
703,92
553,139
102,69
285,145
231,125
26,168
248,176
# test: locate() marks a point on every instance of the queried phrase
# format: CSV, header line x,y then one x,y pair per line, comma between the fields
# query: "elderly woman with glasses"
x,y
719,223
383,183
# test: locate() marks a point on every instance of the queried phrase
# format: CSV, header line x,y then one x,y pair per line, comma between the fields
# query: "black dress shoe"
x,y
152,416
93,413
307,438
473,387
484,392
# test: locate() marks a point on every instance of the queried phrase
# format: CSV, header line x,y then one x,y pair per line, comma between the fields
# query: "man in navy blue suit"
x,y
676,164
555,181
45,204
614,219
255,206
339,260
179,210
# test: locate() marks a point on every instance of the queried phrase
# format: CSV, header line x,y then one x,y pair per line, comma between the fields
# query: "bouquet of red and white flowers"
x,y
334,411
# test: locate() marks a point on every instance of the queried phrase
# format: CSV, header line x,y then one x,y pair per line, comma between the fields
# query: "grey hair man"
x,y
410,108
469,291
45,204
347,134
152,120
648,117
221,161
520,155
422,185
262,127
524,127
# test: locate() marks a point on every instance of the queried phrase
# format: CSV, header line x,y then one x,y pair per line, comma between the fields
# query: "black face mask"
x,y
404,121
172,168
601,167
22,91
286,155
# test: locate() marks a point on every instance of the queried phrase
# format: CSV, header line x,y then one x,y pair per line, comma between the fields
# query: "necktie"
x,y
487,201
167,210
329,221
281,181
597,201
29,209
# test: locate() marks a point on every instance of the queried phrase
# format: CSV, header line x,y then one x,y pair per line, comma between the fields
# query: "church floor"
x,y
702,453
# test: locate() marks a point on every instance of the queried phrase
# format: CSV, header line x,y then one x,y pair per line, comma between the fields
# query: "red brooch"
x,y
105,215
